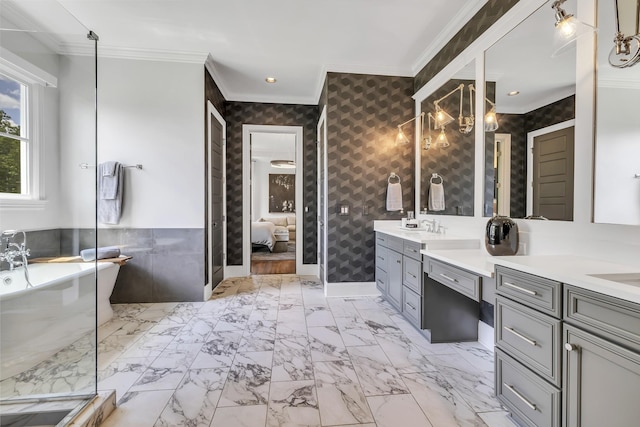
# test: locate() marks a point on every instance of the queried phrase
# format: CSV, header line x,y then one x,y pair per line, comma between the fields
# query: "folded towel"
x,y
436,196
100,253
109,176
394,196
110,192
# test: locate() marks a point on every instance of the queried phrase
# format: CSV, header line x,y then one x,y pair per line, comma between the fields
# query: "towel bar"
x,y
87,166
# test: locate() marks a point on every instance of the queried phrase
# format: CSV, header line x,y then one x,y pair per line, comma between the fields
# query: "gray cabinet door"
x,y
394,289
602,382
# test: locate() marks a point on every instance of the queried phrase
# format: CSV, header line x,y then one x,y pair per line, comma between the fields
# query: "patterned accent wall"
x,y
239,113
363,112
549,115
323,95
456,162
477,25
212,93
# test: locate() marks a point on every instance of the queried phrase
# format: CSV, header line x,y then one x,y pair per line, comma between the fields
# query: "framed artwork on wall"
x,y
282,192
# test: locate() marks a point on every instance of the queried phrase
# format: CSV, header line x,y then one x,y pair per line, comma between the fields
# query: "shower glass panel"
x,y
48,110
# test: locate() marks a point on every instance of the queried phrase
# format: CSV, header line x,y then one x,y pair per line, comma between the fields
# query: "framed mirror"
x,y
617,148
447,151
529,154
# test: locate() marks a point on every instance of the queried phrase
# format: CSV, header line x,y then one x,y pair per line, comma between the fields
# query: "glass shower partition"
x,y
48,128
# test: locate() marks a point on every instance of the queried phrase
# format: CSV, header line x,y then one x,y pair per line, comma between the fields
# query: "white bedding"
x,y
262,234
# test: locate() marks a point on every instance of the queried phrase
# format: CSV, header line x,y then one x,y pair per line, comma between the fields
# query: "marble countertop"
x,y
576,271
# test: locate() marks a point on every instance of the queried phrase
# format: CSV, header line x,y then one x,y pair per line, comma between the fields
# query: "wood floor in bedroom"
x,y
273,267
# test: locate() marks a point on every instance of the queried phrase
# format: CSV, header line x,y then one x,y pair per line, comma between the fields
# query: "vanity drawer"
x,y
609,317
411,306
531,337
532,401
411,275
395,243
412,249
381,280
382,257
536,292
381,239
459,280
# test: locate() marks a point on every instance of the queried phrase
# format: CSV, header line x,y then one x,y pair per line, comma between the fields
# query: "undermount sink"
x,y
626,278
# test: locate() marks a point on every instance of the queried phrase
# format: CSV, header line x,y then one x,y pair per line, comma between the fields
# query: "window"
x,y
14,137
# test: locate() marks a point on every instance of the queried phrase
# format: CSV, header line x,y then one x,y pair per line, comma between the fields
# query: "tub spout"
x,y
13,250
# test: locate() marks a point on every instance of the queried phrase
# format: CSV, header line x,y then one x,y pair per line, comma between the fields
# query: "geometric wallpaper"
x,y
255,113
456,163
363,112
478,24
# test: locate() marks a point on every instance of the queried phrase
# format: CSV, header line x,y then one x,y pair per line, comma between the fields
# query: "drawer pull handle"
x,y
411,275
519,335
398,261
519,396
520,288
381,257
412,307
449,278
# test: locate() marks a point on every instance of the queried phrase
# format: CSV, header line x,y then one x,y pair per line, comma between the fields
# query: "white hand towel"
x,y
108,177
394,197
436,197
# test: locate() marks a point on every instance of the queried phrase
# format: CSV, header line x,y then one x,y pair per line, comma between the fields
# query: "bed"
x,y
262,234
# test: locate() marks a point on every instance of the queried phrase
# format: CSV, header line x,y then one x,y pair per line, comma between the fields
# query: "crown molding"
x,y
558,95
210,65
456,24
106,51
272,99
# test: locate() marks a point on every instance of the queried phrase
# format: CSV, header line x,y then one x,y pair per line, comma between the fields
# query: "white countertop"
x,y
575,270
473,260
430,240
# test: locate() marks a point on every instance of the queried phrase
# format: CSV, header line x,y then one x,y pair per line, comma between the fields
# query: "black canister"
x,y
502,236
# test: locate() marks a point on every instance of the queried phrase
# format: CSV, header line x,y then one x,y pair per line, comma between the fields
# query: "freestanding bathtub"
x,y
37,322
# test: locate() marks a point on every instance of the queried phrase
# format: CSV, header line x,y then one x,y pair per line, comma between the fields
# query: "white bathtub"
x,y
37,322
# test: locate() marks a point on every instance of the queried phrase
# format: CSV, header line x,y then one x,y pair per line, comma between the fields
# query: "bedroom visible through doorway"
x,y
273,203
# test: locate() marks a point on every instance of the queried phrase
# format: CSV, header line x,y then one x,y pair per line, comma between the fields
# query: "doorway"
x,y
551,172
216,202
272,199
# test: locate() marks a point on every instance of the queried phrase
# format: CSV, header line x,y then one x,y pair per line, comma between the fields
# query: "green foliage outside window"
x,y
9,156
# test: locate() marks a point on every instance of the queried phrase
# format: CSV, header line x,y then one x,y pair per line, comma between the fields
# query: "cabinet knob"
x,y
569,347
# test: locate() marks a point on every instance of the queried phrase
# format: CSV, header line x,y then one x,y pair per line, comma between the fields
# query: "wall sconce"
x,y
442,141
568,29
490,118
626,51
465,124
401,138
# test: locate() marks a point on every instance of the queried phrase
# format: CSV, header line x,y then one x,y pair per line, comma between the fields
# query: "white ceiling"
x,y
273,146
296,41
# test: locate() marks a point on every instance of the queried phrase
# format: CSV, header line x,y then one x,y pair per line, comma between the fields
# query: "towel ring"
x,y
393,176
436,176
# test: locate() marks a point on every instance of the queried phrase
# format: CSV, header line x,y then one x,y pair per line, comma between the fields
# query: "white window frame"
x,y
35,79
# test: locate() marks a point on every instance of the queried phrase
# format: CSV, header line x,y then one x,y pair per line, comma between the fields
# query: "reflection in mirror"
x,y
529,156
449,158
617,156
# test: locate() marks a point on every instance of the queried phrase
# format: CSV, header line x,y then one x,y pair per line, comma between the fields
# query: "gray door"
x,y
321,201
553,175
216,203
602,382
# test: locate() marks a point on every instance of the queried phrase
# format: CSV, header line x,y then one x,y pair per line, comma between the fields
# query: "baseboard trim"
x,y
208,291
308,270
485,335
351,289
234,271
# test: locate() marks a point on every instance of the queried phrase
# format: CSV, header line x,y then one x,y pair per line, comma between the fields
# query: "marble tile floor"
x,y
271,350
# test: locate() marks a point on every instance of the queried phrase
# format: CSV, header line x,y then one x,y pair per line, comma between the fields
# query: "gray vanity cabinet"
x,y
601,361
389,268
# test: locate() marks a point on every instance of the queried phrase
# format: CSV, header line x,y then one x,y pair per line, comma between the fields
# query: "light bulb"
x,y
567,27
401,138
442,140
490,121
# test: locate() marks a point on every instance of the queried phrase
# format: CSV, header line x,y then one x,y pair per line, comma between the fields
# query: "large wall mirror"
x,y
447,150
617,155
529,155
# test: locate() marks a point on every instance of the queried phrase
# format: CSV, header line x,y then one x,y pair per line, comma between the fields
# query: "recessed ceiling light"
x,y
514,93
270,80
